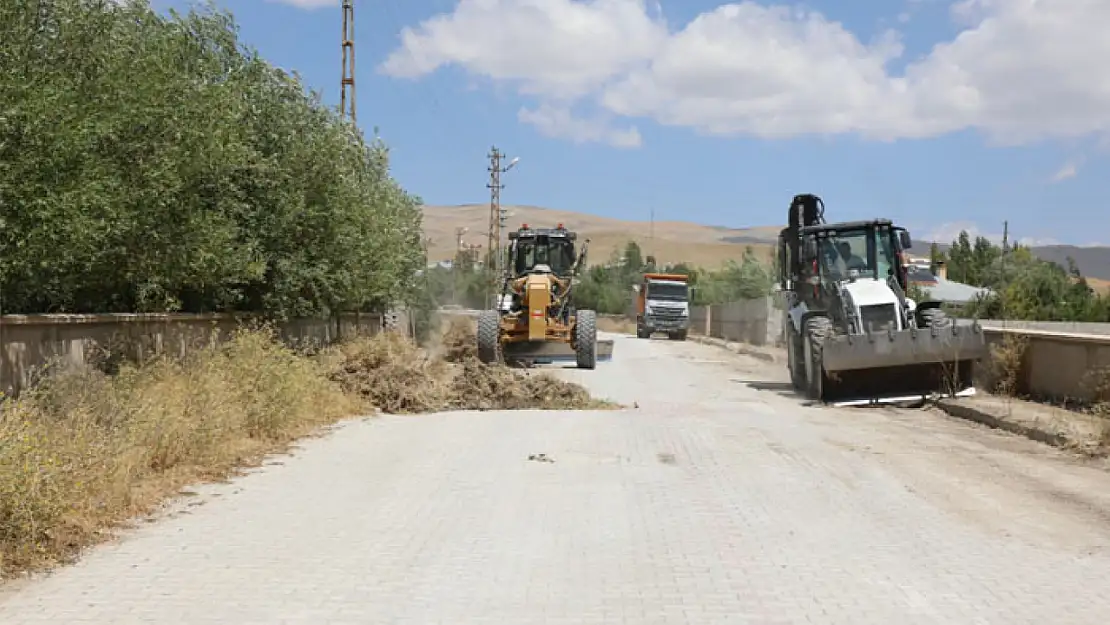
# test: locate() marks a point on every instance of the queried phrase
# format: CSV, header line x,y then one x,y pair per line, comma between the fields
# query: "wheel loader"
x,y
537,321
851,333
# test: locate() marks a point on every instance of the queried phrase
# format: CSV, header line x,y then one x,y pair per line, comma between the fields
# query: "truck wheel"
x,y
678,336
585,339
489,336
642,333
817,329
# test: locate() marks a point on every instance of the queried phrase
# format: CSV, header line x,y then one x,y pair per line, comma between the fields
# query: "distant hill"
x,y
677,241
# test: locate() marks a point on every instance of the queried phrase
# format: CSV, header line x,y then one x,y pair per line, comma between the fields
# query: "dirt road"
x,y
720,498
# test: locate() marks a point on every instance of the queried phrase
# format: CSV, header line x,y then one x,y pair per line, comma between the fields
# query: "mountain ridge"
x,y
676,241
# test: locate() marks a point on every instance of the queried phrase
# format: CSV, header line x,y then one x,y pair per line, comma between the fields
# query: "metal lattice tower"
x,y
496,216
347,90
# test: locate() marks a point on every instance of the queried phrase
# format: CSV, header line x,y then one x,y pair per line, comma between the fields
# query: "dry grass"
x,y
393,374
1099,382
84,451
1006,360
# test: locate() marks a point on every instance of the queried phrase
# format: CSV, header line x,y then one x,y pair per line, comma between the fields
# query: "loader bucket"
x,y
547,352
898,365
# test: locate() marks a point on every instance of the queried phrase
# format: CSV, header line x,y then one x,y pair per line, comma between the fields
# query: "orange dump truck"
x,y
663,305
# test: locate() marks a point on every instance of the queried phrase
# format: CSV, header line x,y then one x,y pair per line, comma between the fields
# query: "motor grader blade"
x,y
899,366
547,352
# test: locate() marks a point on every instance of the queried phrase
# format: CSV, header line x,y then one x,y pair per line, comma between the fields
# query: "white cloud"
x,y
1019,71
948,232
1067,171
554,48
554,121
307,4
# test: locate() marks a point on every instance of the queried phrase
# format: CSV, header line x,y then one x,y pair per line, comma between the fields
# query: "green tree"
x,y
152,163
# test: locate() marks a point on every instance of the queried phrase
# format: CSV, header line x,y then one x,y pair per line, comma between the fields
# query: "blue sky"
x,y
942,115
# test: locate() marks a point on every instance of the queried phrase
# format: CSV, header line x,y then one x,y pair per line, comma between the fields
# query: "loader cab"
x,y
854,250
553,247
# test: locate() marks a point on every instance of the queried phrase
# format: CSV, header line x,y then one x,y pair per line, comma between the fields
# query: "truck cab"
x,y
663,305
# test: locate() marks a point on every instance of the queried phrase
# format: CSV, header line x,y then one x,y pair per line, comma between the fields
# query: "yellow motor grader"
x,y
535,320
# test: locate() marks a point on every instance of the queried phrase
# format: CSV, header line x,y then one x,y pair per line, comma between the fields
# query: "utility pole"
x,y
493,246
497,217
347,107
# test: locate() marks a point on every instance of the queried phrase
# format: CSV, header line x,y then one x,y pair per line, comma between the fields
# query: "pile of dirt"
x,y
393,375
458,341
484,387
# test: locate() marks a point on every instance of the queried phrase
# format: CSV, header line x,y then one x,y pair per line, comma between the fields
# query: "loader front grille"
x,y
878,318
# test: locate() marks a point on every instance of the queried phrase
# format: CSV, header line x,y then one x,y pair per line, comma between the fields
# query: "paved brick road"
x,y
713,502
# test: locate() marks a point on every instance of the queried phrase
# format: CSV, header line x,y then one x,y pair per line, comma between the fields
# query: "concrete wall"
x,y
756,322
1061,361
1061,364
28,342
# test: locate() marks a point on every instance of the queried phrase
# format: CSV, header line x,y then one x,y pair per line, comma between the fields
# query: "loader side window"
x,y
884,253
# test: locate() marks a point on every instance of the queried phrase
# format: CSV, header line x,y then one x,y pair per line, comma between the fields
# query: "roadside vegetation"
x,y
152,163
85,451
1022,286
607,287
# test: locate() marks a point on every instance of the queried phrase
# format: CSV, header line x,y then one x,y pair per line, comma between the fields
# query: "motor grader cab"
x,y
852,335
538,321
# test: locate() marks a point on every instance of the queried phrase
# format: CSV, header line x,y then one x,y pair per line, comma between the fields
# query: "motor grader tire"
x,y
489,336
935,318
817,329
585,339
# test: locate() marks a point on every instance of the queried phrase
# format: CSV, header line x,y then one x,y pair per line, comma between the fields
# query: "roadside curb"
x,y
953,408
734,347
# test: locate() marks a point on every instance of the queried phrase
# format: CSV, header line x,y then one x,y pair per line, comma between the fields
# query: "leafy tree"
x,y
1023,287
152,163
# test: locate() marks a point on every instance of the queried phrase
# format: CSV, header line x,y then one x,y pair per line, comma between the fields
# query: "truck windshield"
x,y
674,292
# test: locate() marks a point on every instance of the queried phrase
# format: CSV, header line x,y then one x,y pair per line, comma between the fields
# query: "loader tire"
x,y
935,318
489,337
817,329
585,339
795,354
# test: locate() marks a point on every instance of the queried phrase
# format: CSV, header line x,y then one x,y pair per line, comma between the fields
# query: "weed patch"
x,y
396,376
85,451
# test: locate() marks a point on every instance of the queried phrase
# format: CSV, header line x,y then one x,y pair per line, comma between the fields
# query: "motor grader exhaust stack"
x,y
540,323
852,335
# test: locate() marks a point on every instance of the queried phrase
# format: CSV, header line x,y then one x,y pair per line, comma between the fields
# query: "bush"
x,y
152,164
84,451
